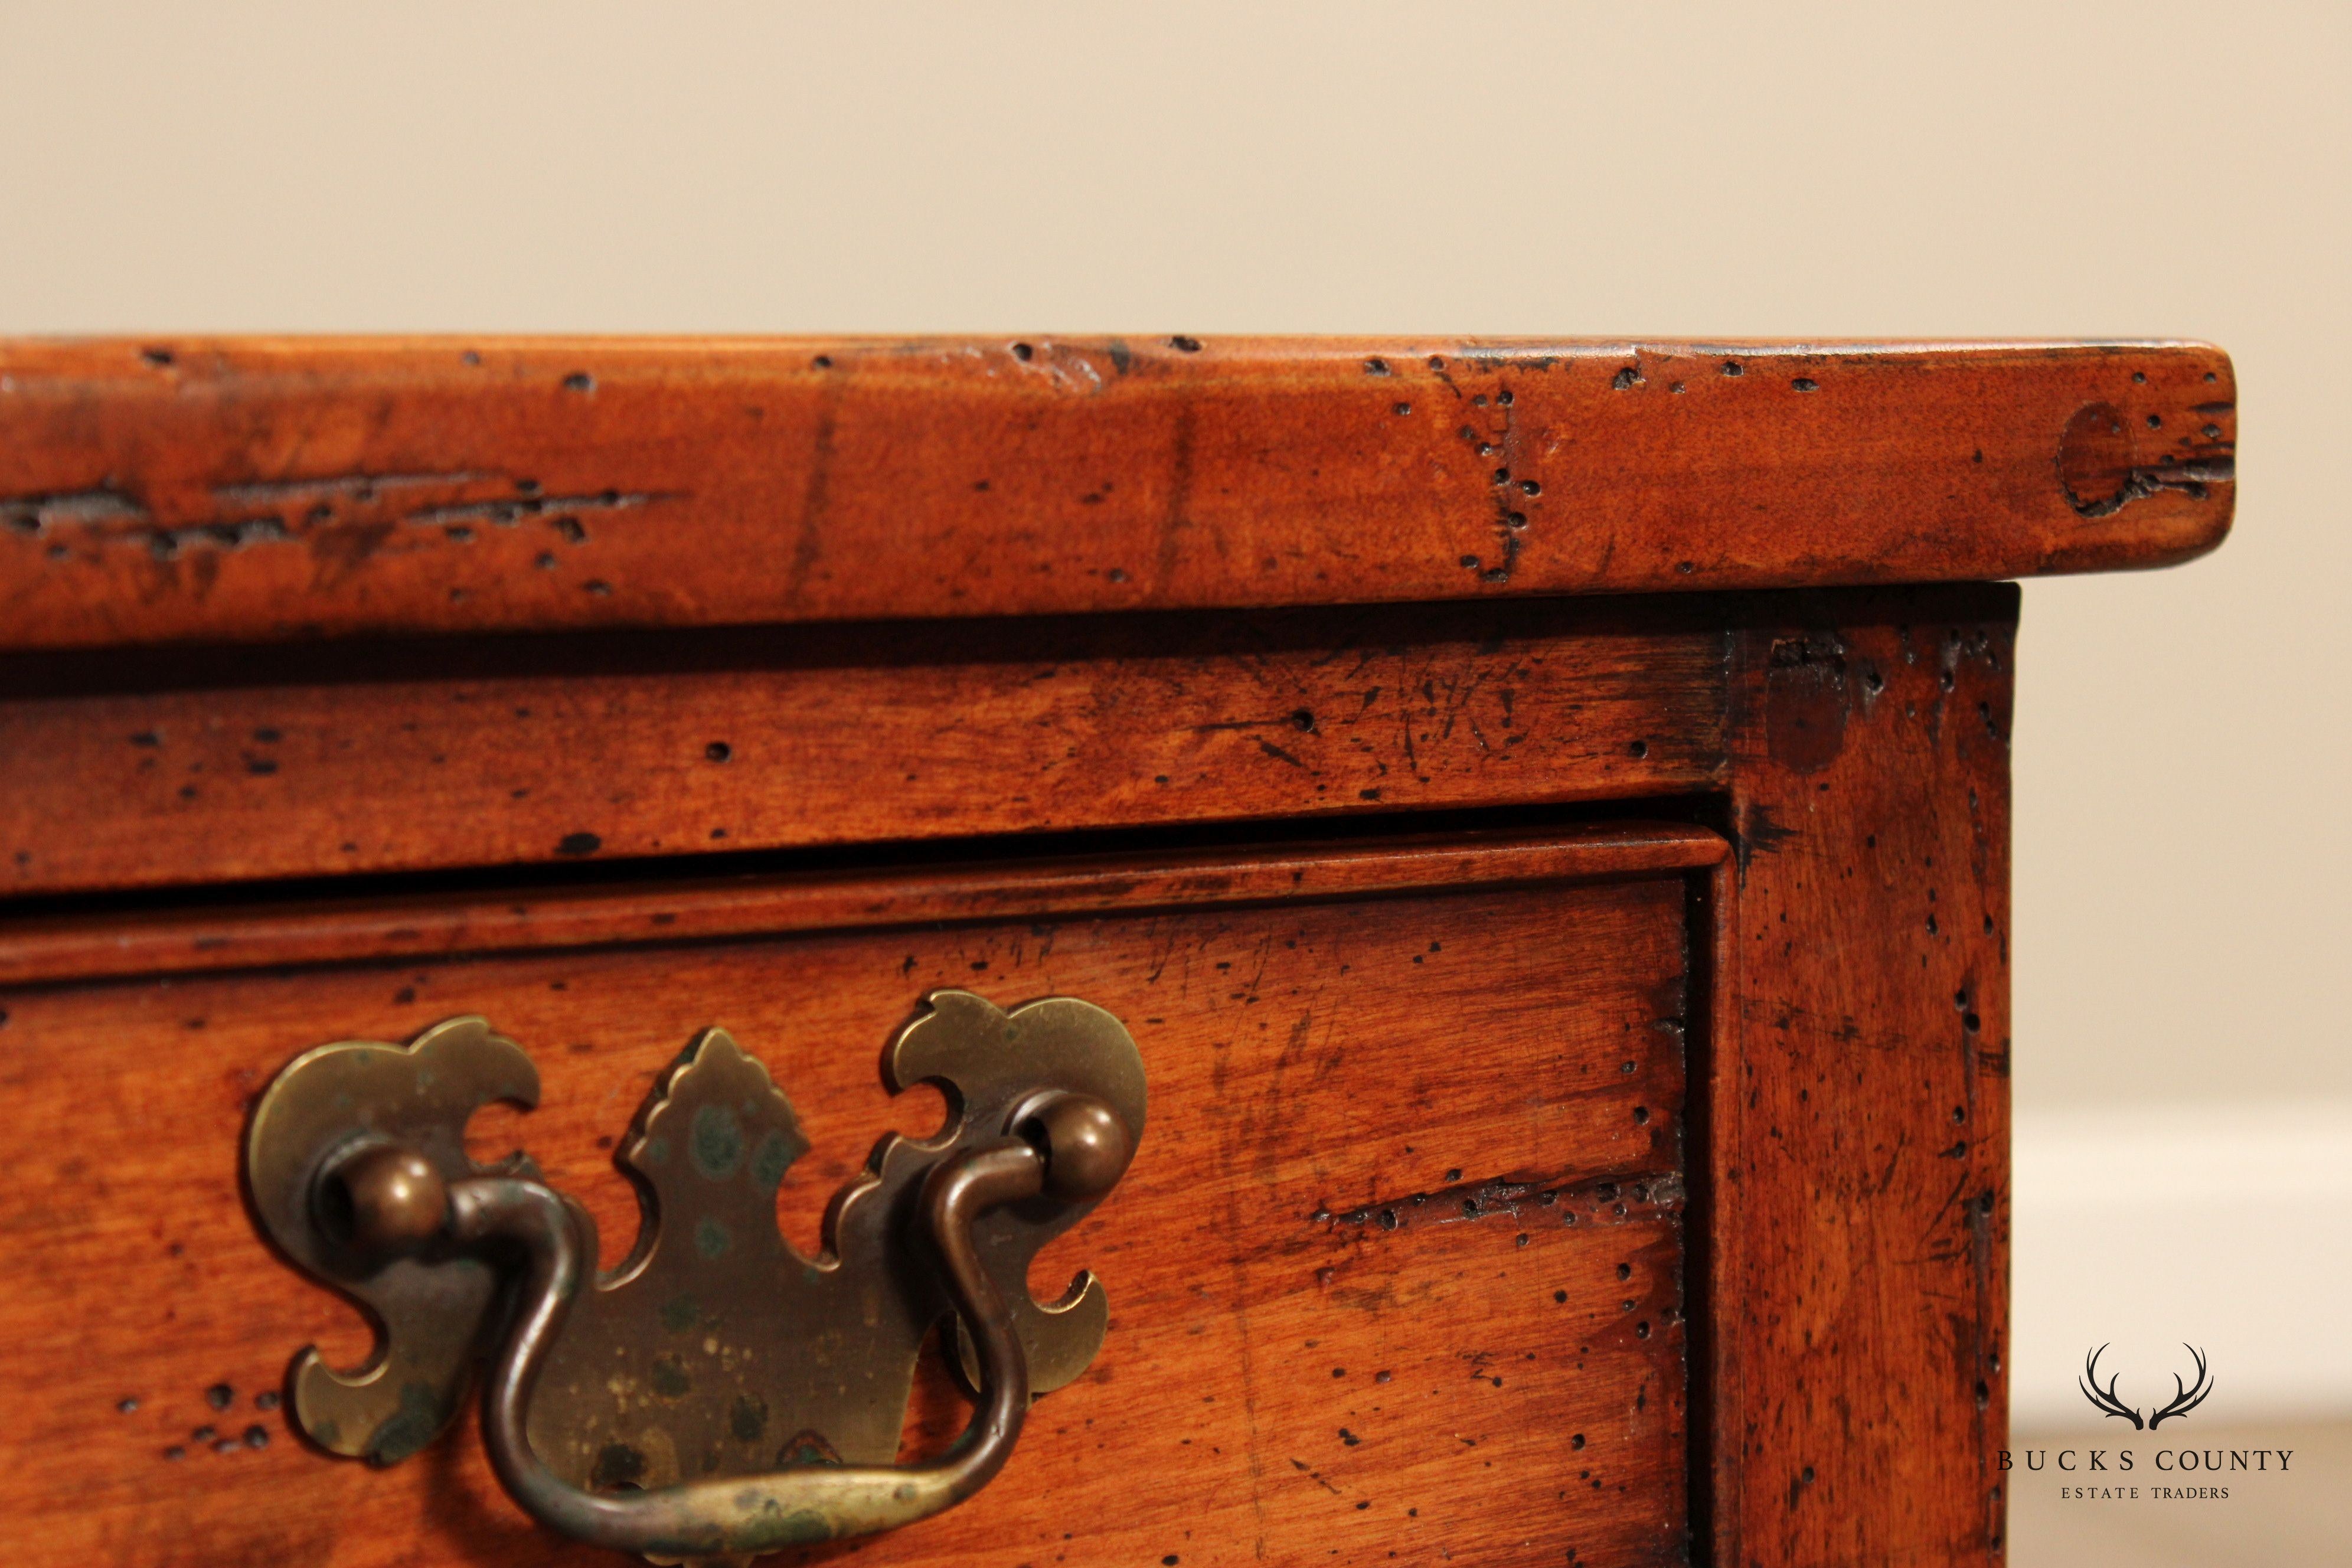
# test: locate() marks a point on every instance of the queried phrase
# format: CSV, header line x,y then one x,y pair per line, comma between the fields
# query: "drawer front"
x,y
1398,1269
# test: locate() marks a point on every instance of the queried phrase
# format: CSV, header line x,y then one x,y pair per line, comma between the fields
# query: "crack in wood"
x,y
1611,1198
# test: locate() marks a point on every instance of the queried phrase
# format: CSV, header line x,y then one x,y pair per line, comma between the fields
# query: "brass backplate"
x,y
715,1349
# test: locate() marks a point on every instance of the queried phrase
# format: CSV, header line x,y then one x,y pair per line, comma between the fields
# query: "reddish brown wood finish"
x,y
1858,1295
1398,1267
268,488
1846,1137
400,759
439,925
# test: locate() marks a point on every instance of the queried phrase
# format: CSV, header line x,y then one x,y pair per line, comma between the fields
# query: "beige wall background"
x,y
2002,169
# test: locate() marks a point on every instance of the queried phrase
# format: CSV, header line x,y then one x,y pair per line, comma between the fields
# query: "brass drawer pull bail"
x,y
643,1410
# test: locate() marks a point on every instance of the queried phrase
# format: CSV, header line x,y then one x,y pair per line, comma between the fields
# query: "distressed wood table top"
x,y
252,488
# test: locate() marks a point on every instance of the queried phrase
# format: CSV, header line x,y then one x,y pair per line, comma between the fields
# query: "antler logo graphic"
x,y
2104,1398
2185,1398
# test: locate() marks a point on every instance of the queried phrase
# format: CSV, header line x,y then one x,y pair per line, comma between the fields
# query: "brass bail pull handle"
x,y
391,1202
720,1393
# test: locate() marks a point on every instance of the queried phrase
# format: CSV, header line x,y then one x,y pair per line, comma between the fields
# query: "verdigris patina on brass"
x,y
631,1409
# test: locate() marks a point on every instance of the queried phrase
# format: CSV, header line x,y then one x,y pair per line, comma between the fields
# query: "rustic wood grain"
x,y
248,764
267,488
1397,1270
1859,1110
527,630
47,949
